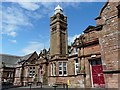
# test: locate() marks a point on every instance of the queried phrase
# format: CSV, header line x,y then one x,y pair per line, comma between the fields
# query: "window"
x,y
54,69
51,67
96,62
118,7
75,50
31,71
33,67
64,68
76,66
60,68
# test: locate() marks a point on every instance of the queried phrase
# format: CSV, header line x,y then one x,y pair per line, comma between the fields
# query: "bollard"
x,y
66,87
54,87
68,83
41,84
30,84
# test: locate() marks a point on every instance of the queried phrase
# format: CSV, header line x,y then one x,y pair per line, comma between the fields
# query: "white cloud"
x,y
13,41
72,38
29,5
12,20
33,46
13,34
34,15
58,0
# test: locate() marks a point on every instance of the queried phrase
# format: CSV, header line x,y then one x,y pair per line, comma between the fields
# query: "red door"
x,y
97,73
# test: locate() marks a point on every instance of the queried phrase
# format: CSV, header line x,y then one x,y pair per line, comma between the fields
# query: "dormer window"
x,y
75,50
109,7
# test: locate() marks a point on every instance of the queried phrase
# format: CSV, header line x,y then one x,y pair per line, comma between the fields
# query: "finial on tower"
x,y
58,9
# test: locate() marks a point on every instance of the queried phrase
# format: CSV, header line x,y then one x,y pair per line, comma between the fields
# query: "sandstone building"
x,y
91,61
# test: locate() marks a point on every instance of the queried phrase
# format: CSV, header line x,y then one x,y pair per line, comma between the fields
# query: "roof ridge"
x,y
10,55
27,54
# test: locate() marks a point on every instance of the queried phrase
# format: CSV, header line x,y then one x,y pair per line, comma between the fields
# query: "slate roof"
x,y
11,60
24,58
89,29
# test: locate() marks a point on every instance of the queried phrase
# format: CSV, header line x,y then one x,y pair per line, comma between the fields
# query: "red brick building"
x,y
109,42
91,61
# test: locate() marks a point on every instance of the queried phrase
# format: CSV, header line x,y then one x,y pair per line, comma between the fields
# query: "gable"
x,y
108,12
32,58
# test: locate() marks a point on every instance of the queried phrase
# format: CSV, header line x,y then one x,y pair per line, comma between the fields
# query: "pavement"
x,y
44,87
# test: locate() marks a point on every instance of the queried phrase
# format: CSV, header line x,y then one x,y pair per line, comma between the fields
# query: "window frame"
x,y
62,68
54,69
66,68
51,69
76,64
32,71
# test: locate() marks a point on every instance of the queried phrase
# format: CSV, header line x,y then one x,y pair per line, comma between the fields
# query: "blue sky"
x,y
25,25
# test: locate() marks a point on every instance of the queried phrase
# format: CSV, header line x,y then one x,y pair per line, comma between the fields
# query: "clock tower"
x,y
58,33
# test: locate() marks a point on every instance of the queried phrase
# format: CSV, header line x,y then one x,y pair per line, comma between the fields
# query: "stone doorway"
x,y
97,76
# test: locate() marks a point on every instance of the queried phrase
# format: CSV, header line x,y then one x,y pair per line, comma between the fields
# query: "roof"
x,y
58,8
9,60
25,58
89,29
12,60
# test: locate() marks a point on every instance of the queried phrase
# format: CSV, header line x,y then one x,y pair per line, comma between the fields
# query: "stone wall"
x,y
75,81
108,38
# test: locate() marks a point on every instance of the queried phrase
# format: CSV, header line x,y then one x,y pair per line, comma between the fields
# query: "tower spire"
x,y
58,9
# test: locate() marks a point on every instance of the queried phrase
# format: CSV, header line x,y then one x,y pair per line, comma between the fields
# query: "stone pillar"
x,y
57,71
88,74
82,51
82,67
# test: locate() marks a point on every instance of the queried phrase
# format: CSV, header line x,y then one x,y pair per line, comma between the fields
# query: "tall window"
x,y
62,68
54,69
51,67
31,71
76,66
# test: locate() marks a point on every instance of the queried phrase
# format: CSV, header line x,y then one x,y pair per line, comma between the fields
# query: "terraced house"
x,y
92,60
